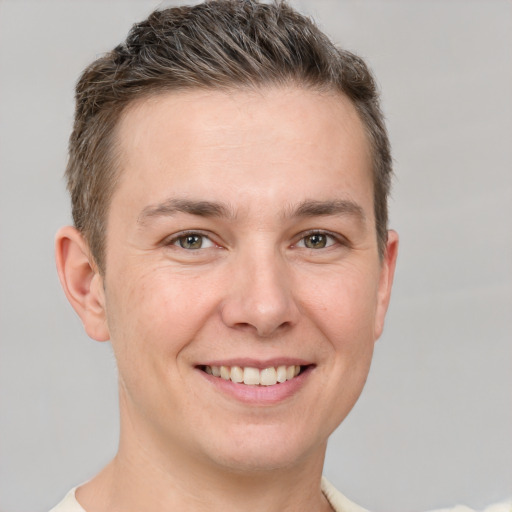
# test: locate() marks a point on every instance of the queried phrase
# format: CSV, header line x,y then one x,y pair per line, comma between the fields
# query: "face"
x,y
243,287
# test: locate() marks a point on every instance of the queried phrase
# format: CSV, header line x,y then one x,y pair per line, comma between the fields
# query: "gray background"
x,y
433,427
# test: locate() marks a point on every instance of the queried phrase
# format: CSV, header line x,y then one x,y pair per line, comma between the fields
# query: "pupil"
x,y
191,242
315,241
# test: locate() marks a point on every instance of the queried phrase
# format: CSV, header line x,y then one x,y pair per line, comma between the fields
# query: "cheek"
x,y
160,309
343,303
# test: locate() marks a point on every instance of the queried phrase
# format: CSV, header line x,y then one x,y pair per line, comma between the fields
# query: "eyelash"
x,y
174,240
335,239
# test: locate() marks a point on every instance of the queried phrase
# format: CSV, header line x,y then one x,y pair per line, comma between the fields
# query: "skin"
x,y
257,288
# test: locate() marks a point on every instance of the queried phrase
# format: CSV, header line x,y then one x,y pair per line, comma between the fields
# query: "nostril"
x,y
260,309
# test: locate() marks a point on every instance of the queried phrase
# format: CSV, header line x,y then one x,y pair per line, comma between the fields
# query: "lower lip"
x,y
259,395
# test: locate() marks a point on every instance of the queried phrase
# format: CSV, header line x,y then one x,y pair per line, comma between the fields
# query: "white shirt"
x,y
338,502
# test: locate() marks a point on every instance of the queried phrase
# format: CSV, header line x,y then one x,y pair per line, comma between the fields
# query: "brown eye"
x,y
315,241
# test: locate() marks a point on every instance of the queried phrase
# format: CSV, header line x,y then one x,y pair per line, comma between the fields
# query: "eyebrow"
x,y
313,208
307,208
175,205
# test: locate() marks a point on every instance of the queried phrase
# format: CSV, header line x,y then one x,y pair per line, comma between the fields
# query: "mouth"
x,y
251,376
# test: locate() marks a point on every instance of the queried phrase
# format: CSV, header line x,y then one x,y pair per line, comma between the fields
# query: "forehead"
x,y
241,138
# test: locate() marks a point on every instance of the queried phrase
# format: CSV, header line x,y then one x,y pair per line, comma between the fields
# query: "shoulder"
x,y
339,502
499,507
68,504
342,504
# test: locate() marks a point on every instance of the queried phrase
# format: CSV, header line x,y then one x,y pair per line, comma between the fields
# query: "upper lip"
x,y
261,364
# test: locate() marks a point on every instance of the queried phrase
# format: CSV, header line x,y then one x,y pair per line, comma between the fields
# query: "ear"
x,y
386,281
81,281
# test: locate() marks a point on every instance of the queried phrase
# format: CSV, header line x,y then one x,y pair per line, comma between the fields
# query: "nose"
x,y
260,297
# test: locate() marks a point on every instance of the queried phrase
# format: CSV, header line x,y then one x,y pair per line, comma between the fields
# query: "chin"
x,y
250,463
266,451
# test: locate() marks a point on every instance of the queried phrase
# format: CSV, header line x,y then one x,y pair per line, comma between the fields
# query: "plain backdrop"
x,y
434,425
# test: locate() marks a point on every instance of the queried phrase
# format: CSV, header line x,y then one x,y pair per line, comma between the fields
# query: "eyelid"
x,y
172,239
338,238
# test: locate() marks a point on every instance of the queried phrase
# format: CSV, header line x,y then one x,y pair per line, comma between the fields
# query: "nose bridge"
x,y
261,295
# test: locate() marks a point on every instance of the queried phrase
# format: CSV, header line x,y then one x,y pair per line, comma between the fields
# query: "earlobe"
x,y
81,281
386,281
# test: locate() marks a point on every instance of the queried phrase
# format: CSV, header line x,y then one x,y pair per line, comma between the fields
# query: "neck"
x,y
145,475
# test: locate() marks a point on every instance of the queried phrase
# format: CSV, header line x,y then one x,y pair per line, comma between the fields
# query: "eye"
x,y
316,241
192,241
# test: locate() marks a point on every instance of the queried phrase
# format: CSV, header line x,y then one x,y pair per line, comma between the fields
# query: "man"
x,y
229,171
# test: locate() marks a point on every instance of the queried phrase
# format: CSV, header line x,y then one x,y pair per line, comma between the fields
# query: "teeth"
x,y
252,376
281,373
268,377
237,374
225,372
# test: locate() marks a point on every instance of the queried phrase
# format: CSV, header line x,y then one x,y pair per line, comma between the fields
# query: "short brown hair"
x,y
218,44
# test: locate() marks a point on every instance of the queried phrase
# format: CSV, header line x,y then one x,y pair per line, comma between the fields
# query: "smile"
x,y
253,376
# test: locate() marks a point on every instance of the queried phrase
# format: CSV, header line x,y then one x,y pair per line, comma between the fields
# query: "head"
x,y
229,171
219,45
